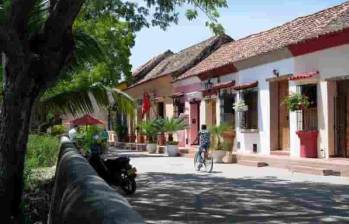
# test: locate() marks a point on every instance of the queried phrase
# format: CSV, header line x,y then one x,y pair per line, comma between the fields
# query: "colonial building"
x,y
308,55
155,78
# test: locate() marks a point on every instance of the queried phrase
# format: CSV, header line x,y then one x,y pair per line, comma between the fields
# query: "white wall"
x,y
331,63
261,73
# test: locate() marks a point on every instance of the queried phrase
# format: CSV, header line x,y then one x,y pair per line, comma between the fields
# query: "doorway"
x,y
342,119
194,122
284,121
279,116
161,109
211,112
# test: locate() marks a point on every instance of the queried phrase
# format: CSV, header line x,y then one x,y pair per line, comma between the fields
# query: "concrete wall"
x,y
331,63
81,196
261,73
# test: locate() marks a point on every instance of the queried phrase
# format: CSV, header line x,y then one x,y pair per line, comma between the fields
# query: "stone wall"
x,y
81,196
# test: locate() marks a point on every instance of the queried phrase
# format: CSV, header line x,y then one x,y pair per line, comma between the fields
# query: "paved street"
x,y
170,191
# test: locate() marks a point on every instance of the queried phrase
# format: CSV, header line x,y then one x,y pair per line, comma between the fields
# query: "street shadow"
x,y
131,154
193,198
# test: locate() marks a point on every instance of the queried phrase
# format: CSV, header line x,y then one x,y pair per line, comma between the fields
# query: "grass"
x,y
42,154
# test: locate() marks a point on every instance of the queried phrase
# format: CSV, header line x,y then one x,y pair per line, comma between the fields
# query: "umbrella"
x,y
86,120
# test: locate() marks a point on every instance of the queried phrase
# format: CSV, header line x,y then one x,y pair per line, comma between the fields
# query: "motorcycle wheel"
x,y
128,185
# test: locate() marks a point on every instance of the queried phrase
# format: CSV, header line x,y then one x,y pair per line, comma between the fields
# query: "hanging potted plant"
x,y
170,126
240,106
217,146
296,101
149,129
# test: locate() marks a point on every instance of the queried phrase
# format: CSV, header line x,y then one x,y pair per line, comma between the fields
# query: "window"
x,y
161,110
227,112
179,106
249,119
307,118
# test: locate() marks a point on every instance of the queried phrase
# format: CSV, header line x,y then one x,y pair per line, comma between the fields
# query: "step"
x,y
280,153
184,151
314,170
252,163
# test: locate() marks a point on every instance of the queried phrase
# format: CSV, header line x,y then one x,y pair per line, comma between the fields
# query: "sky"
x,y
240,19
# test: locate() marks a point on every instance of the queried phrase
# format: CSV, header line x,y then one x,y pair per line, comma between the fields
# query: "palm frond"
x,y
85,100
87,48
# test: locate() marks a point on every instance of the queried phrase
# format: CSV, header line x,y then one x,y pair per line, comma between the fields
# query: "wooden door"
x,y
194,122
284,124
341,119
211,112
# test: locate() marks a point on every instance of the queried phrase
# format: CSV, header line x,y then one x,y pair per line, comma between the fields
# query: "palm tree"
x,y
172,125
150,129
81,100
216,132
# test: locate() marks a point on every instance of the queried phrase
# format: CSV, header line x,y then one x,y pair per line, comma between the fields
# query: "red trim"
x,y
188,88
179,94
223,70
217,87
307,75
223,85
246,85
320,43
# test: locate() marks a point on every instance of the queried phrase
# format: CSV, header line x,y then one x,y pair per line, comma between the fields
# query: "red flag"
x,y
146,104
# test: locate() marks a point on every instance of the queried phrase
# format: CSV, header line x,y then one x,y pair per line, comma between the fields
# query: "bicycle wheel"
x,y
208,164
197,161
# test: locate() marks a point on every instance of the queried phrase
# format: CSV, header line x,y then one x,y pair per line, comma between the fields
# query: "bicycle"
x,y
200,161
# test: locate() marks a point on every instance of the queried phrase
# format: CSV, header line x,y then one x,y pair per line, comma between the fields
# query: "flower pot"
x,y
161,149
228,158
308,141
172,150
229,136
151,147
161,139
218,155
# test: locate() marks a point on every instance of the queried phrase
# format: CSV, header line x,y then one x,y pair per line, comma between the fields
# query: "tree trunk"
x,y
19,95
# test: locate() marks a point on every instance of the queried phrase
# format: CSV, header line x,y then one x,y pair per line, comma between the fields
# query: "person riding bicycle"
x,y
204,141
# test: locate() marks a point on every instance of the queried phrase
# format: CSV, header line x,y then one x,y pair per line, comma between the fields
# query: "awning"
x,y
248,85
178,94
223,85
216,87
306,75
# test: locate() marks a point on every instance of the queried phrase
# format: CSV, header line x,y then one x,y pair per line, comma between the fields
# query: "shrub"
x,y
42,151
296,101
57,130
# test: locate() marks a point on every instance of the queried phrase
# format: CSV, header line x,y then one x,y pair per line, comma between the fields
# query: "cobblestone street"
x,y
170,191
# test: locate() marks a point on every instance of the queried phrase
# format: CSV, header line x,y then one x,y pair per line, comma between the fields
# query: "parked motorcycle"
x,y
116,171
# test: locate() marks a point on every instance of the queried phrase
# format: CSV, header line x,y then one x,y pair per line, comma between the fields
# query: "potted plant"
x,y
170,126
296,101
149,129
240,106
217,146
228,148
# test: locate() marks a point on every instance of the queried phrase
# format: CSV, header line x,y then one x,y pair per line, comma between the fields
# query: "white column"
x,y
326,93
294,139
202,112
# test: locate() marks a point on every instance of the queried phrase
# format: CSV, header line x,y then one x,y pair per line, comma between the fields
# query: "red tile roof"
x,y
149,65
180,62
307,75
328,21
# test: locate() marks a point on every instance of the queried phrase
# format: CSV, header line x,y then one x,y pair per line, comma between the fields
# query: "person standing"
x,y
73,133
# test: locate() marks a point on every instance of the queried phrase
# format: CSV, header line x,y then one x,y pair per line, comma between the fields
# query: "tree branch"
x,y
61,18
20,10
56,44
10,43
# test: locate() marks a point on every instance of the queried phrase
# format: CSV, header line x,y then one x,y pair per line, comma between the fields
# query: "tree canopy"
x,y
40,40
